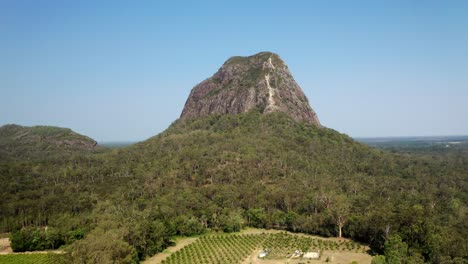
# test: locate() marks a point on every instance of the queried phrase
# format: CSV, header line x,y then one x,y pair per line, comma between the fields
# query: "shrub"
x,y
30,239
379,259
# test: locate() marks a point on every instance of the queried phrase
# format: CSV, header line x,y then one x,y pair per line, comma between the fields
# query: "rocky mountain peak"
x,y
261,81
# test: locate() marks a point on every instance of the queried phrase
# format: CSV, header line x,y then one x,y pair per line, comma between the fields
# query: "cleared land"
x,y
245,248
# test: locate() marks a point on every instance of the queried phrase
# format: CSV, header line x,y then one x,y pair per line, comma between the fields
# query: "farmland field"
x,y
31,258
245,248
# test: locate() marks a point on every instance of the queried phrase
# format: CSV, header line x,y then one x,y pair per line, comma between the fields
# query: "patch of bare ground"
x,y
251,230
338,257
344,257
5,247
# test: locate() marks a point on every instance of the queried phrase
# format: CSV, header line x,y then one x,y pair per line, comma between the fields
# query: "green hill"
x,y
226,149
41,141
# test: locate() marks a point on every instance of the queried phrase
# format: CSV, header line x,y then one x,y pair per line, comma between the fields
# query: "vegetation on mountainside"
x,y
42,142
230,171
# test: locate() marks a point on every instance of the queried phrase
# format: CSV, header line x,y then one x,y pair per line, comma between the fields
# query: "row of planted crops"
x,y
33,258
283,245
217,249
212,249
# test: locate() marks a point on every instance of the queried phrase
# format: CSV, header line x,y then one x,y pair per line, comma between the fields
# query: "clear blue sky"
x,y
122,70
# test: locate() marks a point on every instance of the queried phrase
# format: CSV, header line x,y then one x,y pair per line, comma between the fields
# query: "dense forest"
x,y
225,172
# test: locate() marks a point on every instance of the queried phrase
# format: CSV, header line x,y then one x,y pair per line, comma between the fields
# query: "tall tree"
x,y
340,209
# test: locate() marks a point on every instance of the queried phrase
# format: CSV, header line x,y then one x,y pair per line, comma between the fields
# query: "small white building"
x,y
264,253
297,254
311,255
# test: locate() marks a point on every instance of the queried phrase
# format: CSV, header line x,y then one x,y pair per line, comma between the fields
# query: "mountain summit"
x,y
261,81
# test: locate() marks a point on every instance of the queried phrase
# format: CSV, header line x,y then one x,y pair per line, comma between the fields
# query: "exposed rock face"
x,y
260,81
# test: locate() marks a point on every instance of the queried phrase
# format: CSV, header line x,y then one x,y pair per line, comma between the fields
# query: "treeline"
x,y
34,238
226,172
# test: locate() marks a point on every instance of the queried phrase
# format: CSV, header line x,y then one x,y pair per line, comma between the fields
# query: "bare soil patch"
x,y
5,247
338,257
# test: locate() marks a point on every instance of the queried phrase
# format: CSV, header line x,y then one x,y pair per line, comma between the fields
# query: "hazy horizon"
x,y
121,72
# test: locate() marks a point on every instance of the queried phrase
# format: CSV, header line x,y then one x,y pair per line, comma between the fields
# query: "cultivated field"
x,y
31,258
283,247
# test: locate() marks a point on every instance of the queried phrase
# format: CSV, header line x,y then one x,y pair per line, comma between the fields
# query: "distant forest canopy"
x,y
225,172
420,145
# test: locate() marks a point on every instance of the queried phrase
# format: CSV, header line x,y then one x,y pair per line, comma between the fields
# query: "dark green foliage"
x,y
226,172
256,217
396,250
103,246
231,222
75,235
379,259
188,226
30,239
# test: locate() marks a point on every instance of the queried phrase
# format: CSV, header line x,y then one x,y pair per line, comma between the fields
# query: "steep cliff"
x,y
260,81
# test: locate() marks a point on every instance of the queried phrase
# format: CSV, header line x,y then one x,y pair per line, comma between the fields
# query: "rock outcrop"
x,y
261,81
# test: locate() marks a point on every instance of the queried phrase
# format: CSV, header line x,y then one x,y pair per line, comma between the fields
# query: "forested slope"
x,y
39,142
223,172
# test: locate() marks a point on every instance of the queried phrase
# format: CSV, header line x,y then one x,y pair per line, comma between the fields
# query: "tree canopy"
x,y
230,171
